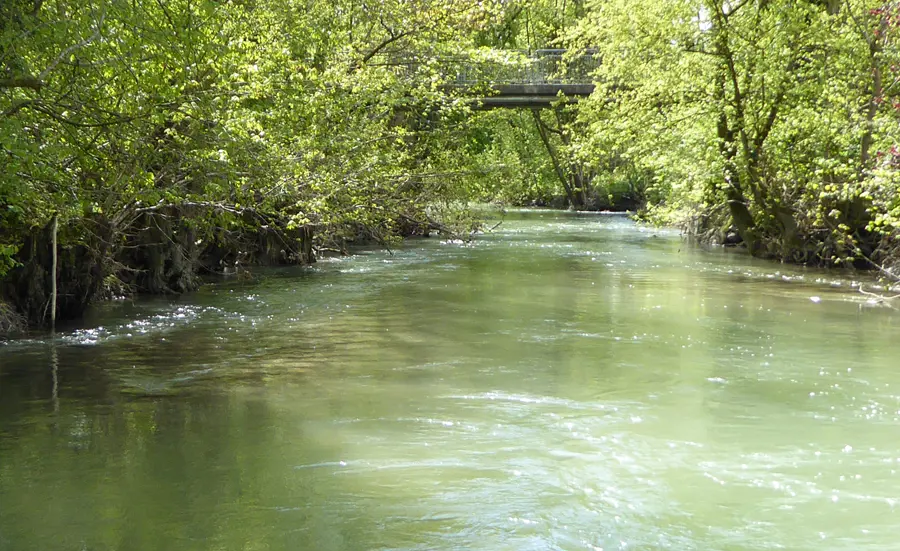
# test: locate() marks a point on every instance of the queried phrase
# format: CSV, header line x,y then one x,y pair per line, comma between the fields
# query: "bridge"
x,y
525,80
545,77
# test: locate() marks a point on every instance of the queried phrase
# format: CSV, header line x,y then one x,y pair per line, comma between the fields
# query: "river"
x,y
567,382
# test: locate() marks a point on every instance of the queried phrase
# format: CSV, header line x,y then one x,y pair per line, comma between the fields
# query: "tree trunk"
x,y
737,203
554,158
734,194
53,271
876,96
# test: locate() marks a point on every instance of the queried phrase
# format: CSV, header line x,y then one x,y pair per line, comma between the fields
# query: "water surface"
x,y
570,382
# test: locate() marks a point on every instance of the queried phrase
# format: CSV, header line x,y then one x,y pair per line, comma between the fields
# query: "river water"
x,y
568,382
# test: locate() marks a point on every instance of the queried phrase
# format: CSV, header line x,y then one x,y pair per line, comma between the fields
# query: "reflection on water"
x,y
572,382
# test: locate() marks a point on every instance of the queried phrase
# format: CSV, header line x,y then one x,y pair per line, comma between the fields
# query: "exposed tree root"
x,y
10,320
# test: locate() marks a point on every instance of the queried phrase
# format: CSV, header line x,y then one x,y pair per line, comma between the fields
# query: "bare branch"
x,y
878,299
384,44
71,49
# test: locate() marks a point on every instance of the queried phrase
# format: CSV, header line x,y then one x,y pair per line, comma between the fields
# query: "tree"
x,y
171,135
756,114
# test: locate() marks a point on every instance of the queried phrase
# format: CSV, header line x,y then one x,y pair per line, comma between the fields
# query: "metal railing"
x,y
540,67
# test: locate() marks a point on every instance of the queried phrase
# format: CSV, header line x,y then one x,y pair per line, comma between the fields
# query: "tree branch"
x,y
16,107
377,49
77,46
542,130
31,82
59,118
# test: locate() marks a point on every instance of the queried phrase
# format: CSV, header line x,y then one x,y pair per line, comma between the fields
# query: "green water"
x,y
570,382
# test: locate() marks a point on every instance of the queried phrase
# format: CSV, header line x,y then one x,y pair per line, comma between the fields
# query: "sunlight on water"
x,y
569,382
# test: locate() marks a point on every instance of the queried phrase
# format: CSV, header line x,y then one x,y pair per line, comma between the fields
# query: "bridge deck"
x,y
533,95
537,80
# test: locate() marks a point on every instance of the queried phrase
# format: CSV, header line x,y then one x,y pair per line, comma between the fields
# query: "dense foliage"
x,y
163,135
777,119
279,105
176,136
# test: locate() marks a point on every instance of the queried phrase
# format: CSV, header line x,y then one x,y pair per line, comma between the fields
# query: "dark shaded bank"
x,y
795,240
160,252
594,202
164,250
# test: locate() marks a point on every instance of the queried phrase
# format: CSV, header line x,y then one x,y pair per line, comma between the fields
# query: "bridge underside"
x,y
533,96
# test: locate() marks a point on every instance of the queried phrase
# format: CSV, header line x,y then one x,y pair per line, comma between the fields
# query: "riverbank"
x,y
168,251
791,241
162,250
170,255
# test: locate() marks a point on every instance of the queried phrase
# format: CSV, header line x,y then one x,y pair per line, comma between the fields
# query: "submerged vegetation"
x,y
157,141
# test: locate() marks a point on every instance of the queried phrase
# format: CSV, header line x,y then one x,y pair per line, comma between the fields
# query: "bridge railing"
x,y
541,67
538,67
